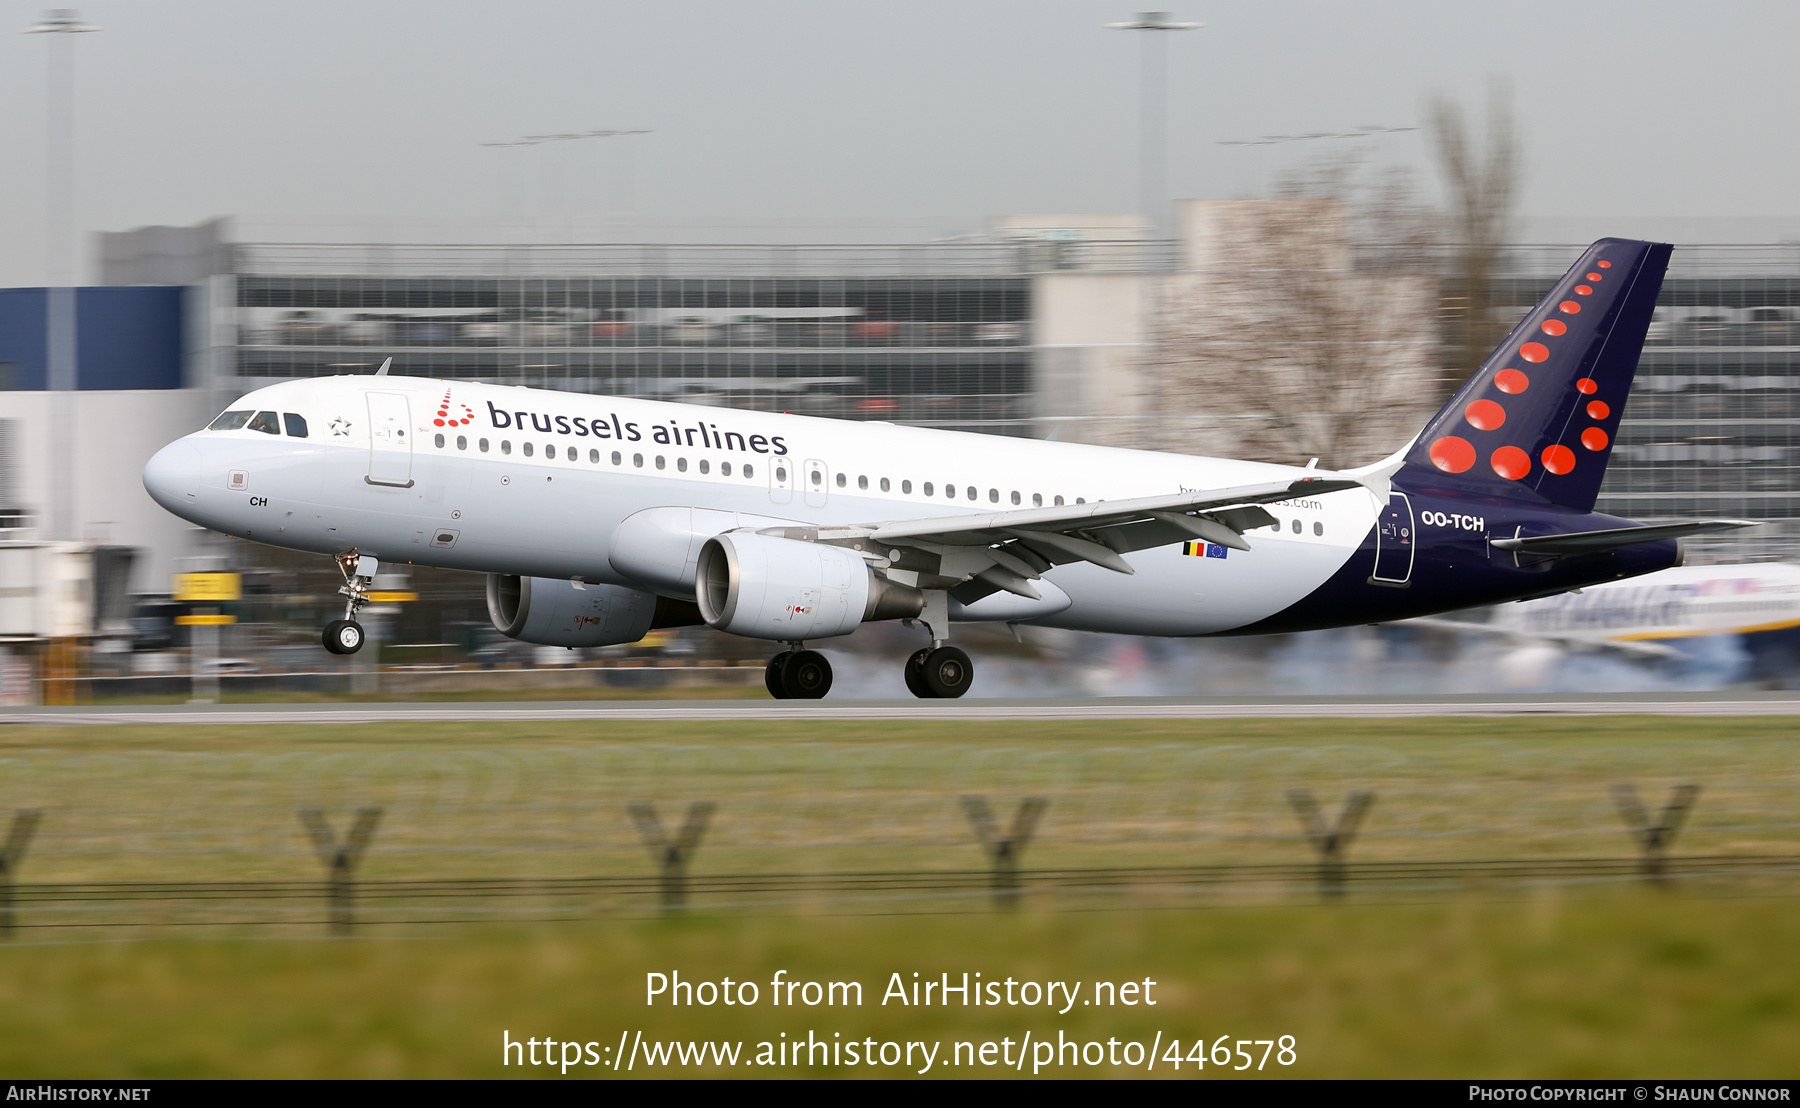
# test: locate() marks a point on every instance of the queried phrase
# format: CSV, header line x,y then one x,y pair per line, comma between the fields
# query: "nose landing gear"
x,y
798,674
345,636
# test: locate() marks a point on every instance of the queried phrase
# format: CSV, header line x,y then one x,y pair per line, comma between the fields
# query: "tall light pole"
x,y
566,136
59,295
1152,123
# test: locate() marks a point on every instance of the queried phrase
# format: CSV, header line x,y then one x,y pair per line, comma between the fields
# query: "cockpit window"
x,y
266,423
296,425
230,421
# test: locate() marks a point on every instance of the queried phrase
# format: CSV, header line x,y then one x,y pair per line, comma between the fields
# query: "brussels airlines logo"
x,y
445,418
702,434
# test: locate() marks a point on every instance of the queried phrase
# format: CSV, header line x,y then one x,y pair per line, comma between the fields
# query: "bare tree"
x,y
1481,177
1306,326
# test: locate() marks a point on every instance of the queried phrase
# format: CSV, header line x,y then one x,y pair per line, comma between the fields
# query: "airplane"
x,y
599,518
1650,617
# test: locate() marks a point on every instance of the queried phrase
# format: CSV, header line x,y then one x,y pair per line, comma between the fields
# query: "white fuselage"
x,y
1684,602
443,474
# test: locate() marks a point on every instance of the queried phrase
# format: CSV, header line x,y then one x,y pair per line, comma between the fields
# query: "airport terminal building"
x,y
1037,328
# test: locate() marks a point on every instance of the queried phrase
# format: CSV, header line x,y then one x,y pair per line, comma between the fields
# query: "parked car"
x,y
999,332
305,328
750,331
544,329
874,329
691,330
612,332
363,330
487,332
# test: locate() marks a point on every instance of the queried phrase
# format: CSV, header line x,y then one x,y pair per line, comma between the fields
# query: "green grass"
x,y
1582,981
1626,984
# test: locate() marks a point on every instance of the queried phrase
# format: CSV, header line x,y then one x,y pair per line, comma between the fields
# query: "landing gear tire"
x,y
805,675
343,636
947,672
772,675
915,674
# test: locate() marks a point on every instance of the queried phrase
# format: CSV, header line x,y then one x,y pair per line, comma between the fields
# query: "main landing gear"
x,y
345,636
798,674
939,673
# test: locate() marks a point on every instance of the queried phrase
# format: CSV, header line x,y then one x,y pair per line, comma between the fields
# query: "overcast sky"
x,y
928,112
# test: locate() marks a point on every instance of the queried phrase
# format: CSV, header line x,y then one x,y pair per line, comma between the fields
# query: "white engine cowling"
x,y
553,612
769,587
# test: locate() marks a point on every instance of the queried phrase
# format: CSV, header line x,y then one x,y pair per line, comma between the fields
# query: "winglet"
x,y
382,372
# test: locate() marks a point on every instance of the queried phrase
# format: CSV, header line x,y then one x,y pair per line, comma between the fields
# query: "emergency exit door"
x,y
1394,542
390,447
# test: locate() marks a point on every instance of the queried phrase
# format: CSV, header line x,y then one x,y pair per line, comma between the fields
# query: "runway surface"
x,y
1370,707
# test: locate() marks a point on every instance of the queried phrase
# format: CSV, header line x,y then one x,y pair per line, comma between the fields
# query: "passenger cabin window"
x,y
1059,502
817,477
906,487
705,466
527,448
1015,496
296,424
1318,528
438,440
230,421
660,463
266,423
840,481
927,487
862,482
481,445
749,471
594,456
884,484
681,465
637,460
994,496
462,442
724,469
617,458
1296,527
1037,500
506,446
974,494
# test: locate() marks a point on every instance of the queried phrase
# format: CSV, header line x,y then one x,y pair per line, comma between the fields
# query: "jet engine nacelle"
x,y
553,612
774,588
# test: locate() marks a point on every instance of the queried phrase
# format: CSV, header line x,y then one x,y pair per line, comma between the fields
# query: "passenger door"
x,y
390,445
1394,535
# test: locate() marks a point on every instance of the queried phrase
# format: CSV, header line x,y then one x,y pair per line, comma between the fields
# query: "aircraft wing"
x,y
1007,550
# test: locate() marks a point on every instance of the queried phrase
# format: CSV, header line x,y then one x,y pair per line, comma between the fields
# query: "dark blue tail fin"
x,y
1540,414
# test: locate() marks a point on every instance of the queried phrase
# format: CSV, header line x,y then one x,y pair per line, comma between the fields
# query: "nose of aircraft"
x,y
172,476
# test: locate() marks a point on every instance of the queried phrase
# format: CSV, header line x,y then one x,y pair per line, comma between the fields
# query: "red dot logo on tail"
x,y
1597,409
1594,438
1511,463
1534,351
1553,327
1485,415
1511,381
1452,454
1558,459
1586,386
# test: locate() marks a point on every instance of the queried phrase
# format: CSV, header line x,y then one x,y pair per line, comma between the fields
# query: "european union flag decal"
x,y
1204,550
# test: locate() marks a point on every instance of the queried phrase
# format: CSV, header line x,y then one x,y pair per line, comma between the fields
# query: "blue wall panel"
x,y
125,337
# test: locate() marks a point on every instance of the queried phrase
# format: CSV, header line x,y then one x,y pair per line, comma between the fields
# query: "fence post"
x,y
340,859
18,837
1005,850
672,855
1654,839
1331,841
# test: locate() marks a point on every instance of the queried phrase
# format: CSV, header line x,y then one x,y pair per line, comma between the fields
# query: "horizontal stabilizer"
x,y
1591,542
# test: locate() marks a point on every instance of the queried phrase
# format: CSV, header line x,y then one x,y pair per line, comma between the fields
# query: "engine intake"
x,y
556,612
774,588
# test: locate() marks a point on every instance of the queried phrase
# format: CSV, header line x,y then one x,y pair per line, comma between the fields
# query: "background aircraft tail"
x,y
1537,420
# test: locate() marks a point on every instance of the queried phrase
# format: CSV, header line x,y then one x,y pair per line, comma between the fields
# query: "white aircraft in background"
x,y
599,518
1650,616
